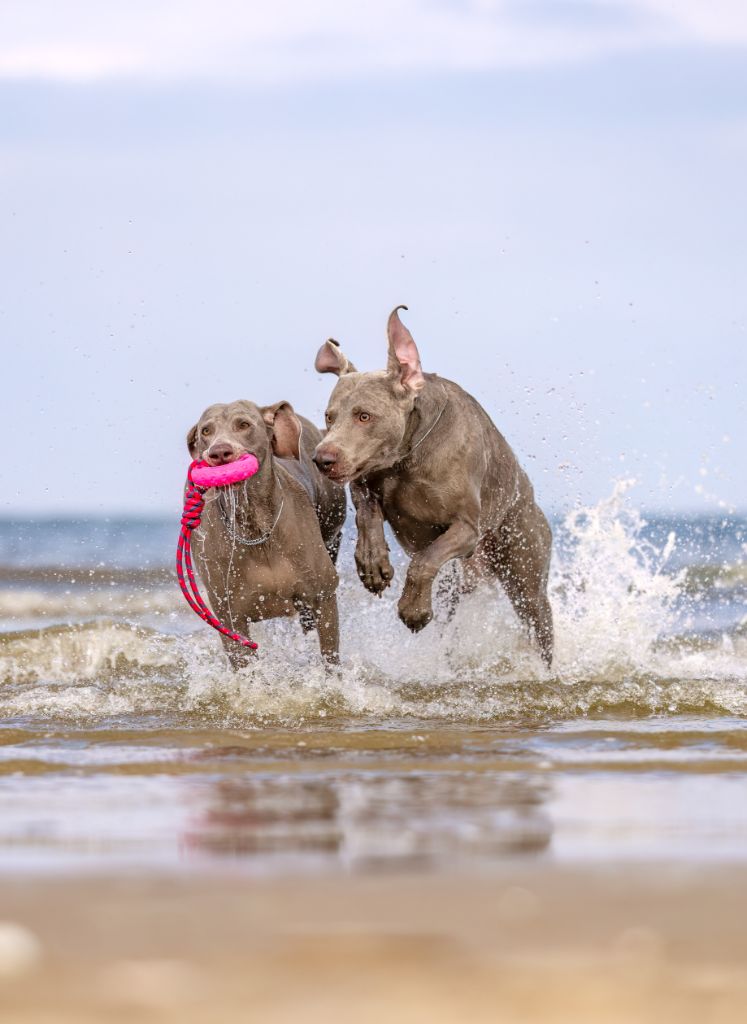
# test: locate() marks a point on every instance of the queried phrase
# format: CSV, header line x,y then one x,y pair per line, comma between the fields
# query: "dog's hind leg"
x,y
328,628
306,617
448,589
333,546
535,611
325,621
238,656
521,561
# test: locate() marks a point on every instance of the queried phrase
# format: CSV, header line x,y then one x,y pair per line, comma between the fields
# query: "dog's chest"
x,y
271,591
415,510
259,583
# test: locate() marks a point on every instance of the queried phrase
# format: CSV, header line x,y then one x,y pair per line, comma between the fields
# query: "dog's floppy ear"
x,y
331,359
404,361
284,428
192,441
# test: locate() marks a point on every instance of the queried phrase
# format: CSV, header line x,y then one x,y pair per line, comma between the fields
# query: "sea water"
x,y
126,740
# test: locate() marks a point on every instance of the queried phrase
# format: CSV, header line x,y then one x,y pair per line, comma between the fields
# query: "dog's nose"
x,y
220,454
324,459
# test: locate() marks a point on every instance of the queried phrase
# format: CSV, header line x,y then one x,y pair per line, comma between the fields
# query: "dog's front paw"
x,y
415,612
374,570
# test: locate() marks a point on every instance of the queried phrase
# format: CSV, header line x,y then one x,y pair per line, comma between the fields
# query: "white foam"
x,y
612,601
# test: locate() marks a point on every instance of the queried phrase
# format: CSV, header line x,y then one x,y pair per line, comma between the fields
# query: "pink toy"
x,y
200,476
203,474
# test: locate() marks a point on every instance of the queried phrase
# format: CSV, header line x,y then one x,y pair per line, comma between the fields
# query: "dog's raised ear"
x,y
192,440
284,428
331,359
404,361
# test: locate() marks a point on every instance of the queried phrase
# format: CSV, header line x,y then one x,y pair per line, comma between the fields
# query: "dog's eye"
x,y
243,425
364,417
205,431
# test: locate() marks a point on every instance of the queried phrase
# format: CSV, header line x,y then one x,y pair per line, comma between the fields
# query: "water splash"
x,y
612,598
617,607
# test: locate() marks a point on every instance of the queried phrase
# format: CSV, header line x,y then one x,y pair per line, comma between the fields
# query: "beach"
x,y
479,267
440,831
644,943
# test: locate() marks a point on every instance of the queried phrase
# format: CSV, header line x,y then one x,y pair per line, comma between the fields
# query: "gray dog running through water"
x,y
422,455
266,547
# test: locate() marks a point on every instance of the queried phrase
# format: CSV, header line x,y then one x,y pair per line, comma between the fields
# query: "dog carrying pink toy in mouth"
x,y
241,468
266,542
201,476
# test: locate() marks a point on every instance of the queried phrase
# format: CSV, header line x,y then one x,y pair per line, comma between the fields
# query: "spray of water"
x,y
615,604
612,597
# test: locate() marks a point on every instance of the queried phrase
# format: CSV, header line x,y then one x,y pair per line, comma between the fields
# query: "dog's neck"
x,y
427,410
251,508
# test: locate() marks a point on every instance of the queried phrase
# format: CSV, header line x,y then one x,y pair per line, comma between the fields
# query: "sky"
x,y
194,196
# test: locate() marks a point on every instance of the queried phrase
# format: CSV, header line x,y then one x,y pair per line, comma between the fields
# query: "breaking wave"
x,y
623,644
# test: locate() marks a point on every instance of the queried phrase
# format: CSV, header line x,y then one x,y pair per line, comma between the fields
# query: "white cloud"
x,y
305,40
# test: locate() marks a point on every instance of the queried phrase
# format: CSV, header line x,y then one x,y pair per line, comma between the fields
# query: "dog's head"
x,y
224,432
367,413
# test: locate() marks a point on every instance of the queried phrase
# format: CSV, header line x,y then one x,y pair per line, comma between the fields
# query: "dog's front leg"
x,y
415,605
371,550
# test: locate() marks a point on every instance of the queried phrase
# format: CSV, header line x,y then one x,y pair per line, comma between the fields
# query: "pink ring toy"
x,y
202,474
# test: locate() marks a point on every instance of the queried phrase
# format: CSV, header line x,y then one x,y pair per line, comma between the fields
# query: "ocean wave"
x,y
100,575
82,603
616,602
719,579
109,669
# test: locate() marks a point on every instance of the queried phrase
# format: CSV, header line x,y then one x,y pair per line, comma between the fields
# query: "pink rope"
x,y
194,503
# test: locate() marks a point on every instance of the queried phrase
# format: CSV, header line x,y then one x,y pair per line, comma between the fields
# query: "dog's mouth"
x,y
342,473
339,474
226,458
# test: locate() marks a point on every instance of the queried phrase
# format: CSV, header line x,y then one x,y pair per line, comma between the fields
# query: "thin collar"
x,y
237,537
428,431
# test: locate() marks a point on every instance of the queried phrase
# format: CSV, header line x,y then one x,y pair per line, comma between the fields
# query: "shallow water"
x,y
126,742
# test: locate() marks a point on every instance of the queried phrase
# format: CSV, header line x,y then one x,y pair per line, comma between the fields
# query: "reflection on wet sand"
x,y
375,819
352,797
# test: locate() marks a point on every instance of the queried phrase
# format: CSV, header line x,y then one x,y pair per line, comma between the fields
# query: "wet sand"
x,y
441,833
620,944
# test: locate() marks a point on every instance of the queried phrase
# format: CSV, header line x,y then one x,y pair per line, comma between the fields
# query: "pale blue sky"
x,y
193,198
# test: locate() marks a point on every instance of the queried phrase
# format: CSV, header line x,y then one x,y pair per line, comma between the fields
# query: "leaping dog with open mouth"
x,y
422,455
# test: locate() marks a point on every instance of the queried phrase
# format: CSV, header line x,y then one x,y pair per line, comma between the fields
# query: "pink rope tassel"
x,y
194,503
